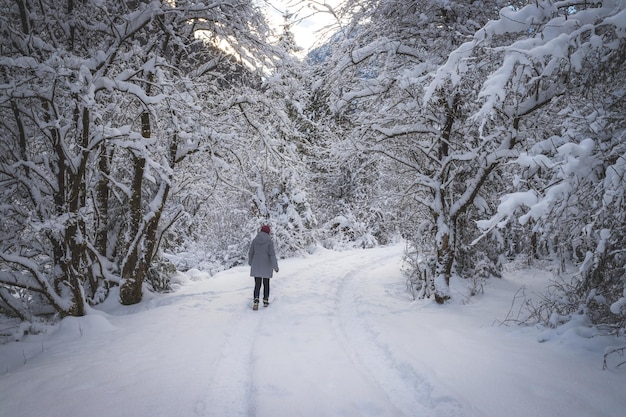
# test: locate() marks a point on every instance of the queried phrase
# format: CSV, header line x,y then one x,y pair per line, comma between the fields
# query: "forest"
x,y
476,131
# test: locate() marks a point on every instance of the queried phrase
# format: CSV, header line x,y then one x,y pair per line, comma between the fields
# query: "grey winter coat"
x,y
261,256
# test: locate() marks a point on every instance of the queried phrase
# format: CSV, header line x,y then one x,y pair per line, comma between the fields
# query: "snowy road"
x,y
341,338
313,353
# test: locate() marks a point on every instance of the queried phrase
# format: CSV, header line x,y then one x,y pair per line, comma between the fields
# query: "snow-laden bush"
x,y
347,231
419,270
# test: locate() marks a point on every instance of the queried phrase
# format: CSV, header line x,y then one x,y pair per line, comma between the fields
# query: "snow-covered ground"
x,y
341,338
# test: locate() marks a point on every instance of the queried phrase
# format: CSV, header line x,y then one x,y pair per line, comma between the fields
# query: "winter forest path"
x,y
340,338
313,353
316,353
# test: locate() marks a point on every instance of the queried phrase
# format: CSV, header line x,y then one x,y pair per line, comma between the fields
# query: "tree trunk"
x,y
132,273
75,266
445,237
102,201
144,246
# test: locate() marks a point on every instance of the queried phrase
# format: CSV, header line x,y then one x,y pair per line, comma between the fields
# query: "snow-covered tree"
x,y
262,170
99,107
449,96
571,189
381,72
277,172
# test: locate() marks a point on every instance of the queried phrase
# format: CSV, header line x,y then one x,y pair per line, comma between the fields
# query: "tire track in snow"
x,y
406,389
231,384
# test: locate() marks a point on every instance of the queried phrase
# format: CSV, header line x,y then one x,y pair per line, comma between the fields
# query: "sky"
x,y
311,18
341,337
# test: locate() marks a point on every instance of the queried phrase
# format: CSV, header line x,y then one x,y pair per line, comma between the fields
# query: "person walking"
x,y
263,263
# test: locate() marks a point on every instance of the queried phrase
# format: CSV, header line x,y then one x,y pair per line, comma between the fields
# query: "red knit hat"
x,y
265,228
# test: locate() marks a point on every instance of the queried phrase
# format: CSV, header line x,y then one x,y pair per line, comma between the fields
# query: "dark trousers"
x,y
257,287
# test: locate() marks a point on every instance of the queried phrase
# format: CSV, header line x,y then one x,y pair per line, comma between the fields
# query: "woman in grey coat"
x,y
262,261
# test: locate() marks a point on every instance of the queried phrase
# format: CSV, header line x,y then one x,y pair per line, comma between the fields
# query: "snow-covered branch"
x,y
36,280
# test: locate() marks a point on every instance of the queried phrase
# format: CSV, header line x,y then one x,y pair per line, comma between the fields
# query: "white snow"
x,y
341,338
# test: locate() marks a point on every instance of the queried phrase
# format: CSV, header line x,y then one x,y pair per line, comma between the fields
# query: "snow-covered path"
x,y
317,337
341,338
